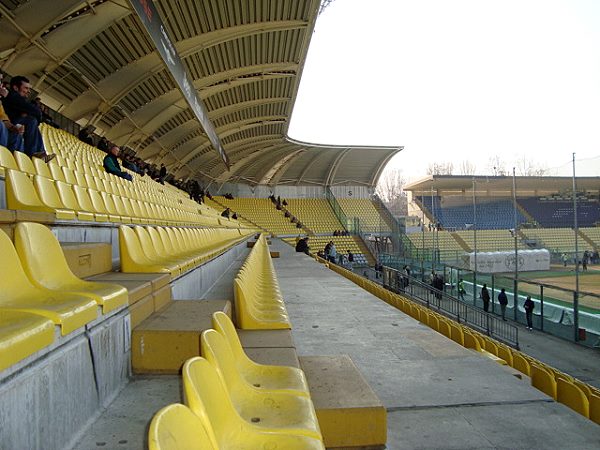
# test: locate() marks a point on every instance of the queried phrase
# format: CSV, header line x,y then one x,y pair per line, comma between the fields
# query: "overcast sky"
x,y
457,80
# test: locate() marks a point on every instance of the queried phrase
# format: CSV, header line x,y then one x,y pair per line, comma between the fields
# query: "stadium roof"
x,y
95,63
500,185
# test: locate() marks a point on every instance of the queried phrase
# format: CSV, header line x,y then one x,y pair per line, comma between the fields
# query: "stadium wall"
x,y
286,191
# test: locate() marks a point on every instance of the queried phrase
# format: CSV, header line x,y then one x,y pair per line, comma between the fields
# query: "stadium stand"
x,y
371,220
103,276
315,214
553,239
362,255
558,212
490,240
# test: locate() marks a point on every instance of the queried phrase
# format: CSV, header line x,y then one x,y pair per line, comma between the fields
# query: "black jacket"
x,y
16,106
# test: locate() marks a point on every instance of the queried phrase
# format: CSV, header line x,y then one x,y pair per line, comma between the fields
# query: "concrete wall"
x,y
195,284
46,400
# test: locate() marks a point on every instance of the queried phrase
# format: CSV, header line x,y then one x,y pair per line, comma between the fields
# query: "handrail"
x,y
433,298
337,209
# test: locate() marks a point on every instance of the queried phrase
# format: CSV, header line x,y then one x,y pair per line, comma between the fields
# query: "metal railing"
x,y
438,300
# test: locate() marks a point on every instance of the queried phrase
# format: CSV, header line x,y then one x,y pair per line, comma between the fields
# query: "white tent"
x,y
498,262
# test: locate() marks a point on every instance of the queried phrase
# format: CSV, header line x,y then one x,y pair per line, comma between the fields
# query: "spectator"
x,y
332,252
529,305
226,213
162,174
565,258
461,289
350,256
208,195
302,246
485,296
21,112
103,144
11,136
85,135
299,225
284,203
111,163
503,300
234,216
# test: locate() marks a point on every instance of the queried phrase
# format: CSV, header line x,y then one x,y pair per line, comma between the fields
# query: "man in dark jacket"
x,y
485,296
503,300
111,163
302,246
22,112
529,305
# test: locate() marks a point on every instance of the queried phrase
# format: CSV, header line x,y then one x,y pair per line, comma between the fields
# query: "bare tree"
x,y
497,166
467,167
529,168
390,185
440,168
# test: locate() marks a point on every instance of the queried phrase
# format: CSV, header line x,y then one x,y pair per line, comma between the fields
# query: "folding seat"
x,y
21,335
134,259
280,378
42,168
7,160
46,267
57,173
69,176
69,311
176,427
83,198
81,179
24,163
48,195
68,198
286,411
207,397
20,193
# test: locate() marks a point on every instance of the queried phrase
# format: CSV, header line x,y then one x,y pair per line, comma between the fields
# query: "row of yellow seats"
x,y
70,202
172,250
231,402
258,301
39,292
577,395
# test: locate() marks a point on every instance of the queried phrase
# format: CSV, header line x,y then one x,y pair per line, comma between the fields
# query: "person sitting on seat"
x,y
234,216
111,163
226,213
11,136
21,112
85,135
302,246
103,144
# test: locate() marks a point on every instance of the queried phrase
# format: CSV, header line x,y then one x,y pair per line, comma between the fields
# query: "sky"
x,y
455,81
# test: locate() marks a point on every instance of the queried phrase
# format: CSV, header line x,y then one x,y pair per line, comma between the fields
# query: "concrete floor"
x,y
438,394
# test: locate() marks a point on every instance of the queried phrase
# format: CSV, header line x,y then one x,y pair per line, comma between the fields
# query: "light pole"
x,y
576,294
474,244
515,281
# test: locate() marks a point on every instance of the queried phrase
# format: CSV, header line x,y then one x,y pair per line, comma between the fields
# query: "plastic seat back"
x,y
216,350
57,173
43,259
24,163
67,196
69,175
13,283
42,168
569,394
7,159
20,193
47,192
207,397
176,427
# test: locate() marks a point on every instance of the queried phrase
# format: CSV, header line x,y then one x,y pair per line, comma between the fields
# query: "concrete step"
x,y
350,414
86,259
165,340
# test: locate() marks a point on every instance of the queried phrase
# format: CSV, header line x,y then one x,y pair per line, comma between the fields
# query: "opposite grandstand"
x,y
152,294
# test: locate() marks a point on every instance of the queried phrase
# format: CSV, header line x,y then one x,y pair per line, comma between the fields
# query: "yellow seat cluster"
x,y
231,402
258,300
173,250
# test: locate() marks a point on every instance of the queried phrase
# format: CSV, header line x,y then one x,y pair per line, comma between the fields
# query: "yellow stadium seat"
x,y
277,410
207,397
543,380
281,378
68,310
445,327
42,168
134,259
470,340
594,401
456,333
67,197
176,427
69,175
24,163
57,173
48,195
81,179
151,251
45,265
83,198
521,363
22,334
570,395
7,160
20,193
505,353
